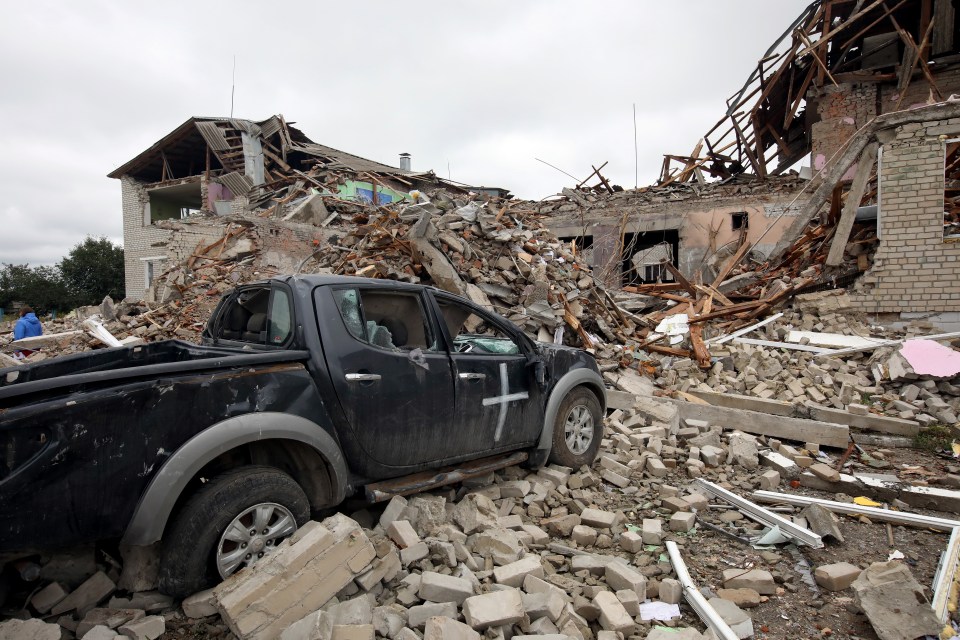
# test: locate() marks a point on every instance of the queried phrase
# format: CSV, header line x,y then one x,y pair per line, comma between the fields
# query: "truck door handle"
x,y
472,376
362,377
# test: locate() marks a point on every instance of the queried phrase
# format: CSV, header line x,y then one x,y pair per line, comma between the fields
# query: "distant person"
x,y
28,326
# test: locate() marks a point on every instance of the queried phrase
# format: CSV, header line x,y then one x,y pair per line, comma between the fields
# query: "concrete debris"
x,y
319,560
554,552
895,602
822,522
836,577
32,629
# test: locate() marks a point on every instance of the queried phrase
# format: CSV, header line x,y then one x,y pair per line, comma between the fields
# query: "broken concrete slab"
x,y
32,629
869,421
798,429
822,522
736,618
303,574
894,602
94,590
200,604
759,580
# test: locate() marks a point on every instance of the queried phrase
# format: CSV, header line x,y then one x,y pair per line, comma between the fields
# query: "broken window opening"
x,y
474,334
151,269
389,320
256,316
644,253
951,191
739,220
172,203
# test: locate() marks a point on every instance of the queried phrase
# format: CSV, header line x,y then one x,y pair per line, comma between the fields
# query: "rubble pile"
x,y
557,553
497,253
877,381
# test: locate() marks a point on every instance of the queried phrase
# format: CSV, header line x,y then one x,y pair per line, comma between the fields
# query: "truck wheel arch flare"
x,y
157,503
567,383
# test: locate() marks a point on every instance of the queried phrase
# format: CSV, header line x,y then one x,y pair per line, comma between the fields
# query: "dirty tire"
x,y
188,551
579,408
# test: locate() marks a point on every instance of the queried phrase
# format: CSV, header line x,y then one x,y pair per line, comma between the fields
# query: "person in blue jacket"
x,y
28,325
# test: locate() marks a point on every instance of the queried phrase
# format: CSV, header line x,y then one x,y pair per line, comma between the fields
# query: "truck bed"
x,y
126,363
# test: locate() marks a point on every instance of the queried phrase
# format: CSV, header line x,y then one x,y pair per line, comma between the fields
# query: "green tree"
x,y
93,269
40,287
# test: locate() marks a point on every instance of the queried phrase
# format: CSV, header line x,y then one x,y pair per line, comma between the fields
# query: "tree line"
x,y
91,270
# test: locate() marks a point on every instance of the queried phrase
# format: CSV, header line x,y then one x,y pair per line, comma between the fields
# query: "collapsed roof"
x,y
183,151
766,127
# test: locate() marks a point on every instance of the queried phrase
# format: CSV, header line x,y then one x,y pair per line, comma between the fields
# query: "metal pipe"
x,y
897,517
764,516
704,610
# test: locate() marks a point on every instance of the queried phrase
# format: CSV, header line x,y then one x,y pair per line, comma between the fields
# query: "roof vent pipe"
x,y
405,161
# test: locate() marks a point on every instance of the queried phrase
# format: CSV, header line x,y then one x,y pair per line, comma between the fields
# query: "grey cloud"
x,y
484,86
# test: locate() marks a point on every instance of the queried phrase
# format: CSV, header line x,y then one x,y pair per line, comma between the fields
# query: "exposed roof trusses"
x,y
216,144
766,128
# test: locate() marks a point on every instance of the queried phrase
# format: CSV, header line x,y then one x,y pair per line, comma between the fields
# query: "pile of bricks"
x,y
556,552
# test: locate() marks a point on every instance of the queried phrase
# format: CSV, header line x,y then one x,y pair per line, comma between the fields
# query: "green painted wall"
x,y
353,190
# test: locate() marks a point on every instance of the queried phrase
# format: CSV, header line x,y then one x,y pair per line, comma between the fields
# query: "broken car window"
x,y
245,318
280,324
385,319
349,305
472,333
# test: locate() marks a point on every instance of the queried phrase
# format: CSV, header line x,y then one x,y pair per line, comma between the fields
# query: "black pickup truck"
x,y
307,390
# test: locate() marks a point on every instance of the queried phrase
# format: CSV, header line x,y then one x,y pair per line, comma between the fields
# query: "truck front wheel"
x,y
232,522
577,430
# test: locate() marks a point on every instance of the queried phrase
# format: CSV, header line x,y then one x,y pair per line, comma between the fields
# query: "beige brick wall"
x,y
914,270
139,240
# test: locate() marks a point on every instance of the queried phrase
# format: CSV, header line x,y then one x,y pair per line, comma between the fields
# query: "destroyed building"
x,y
230,166
822,89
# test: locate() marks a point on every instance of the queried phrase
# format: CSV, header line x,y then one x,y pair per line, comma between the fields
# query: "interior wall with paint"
x,y
353,189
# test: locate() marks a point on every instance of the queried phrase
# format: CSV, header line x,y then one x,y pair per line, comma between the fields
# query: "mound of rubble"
x,y
659,533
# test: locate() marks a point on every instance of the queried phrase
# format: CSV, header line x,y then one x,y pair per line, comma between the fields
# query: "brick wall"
x,y
139,240
913,269
842,110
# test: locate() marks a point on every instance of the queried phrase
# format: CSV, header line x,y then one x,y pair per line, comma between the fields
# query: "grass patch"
x,y
936,437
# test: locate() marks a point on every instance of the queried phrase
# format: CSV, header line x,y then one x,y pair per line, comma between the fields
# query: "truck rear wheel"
x,y
577,430
232,522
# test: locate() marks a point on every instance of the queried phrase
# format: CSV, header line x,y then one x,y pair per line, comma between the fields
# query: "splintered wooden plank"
x,y
700,351
679,277
731,263
854,197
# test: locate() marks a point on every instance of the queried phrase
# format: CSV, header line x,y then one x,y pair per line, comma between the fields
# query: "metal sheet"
x,y
762,515
897,517
238,184
213,135
704,610
269,126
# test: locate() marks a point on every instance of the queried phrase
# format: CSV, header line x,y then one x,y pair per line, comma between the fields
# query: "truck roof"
x,y
326,279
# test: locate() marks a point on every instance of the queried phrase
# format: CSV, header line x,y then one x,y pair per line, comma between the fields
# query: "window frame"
x,y
521,339
225,305
430,322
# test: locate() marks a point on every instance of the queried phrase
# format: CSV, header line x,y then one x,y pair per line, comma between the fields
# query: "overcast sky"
x,y
481,87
